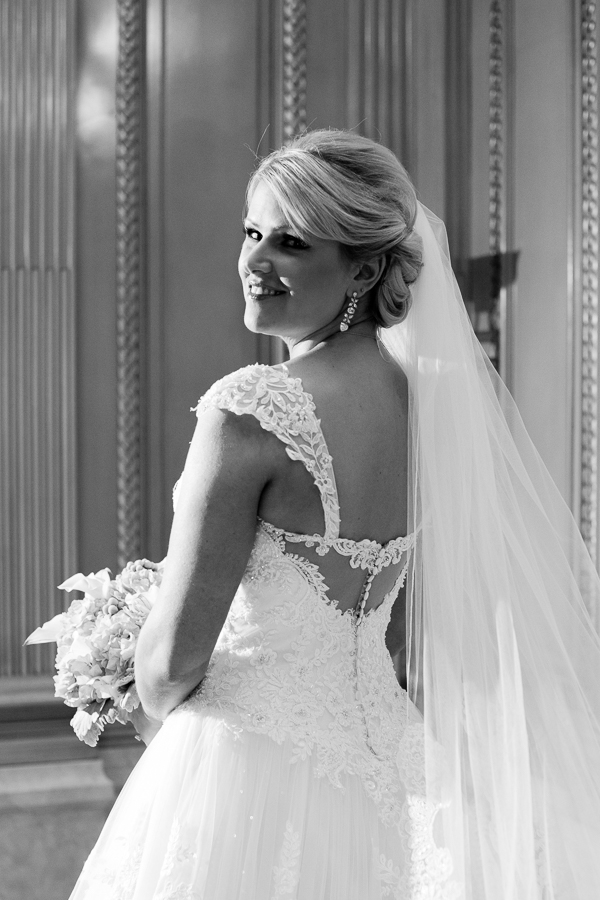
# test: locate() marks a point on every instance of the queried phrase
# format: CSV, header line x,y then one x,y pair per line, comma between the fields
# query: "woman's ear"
x,y
368,275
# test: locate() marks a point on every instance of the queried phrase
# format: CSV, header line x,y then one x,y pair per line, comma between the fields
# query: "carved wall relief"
x,y
130,261
588,101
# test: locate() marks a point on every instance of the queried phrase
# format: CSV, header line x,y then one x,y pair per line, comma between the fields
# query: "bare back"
x,y
362,403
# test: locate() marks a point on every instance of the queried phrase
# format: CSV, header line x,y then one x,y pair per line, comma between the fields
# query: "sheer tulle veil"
x,y
503,656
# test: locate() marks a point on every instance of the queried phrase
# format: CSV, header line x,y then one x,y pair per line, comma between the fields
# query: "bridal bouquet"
x,y
96,640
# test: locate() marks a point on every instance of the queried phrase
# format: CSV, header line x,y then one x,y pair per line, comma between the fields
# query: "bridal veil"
x,y
503,656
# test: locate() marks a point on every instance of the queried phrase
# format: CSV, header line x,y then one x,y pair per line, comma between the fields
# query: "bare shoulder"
x,y
361,400
352,375
237,442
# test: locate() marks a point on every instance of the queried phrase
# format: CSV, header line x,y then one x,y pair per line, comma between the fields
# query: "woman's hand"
x,y
146,728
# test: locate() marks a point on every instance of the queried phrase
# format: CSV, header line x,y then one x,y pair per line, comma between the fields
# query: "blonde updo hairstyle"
x,y
337,185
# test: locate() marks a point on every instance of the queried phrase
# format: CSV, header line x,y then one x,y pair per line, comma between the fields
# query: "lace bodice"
x,y
283,407
288,662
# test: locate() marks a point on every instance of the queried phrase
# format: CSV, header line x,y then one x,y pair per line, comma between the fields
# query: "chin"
x,y
259,323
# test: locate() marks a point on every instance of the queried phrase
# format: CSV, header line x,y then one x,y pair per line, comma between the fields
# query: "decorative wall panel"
x,y
379,72
497,142
494,331
269,56
37,313
130,277
587,52
458,128
294,67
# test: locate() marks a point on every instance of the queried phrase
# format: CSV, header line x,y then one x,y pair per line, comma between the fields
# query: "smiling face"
x,y
292,287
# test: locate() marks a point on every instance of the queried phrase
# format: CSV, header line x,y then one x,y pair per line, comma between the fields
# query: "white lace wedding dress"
x,y
296,769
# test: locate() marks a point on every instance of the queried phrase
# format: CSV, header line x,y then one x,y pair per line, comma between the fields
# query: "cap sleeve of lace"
x,y
284,408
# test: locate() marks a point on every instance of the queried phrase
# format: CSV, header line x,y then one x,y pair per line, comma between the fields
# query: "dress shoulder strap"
x,y
284,408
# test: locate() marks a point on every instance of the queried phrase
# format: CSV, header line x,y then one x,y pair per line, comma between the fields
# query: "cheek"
x,y
327,283
330,270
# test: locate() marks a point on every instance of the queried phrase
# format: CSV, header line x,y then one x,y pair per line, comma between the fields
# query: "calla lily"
x,y
94,583
49,631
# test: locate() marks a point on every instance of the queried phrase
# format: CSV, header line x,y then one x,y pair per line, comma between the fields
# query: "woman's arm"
x,y
228,465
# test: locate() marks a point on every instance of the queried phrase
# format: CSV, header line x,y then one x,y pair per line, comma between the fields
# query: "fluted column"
x,y
37,313
379,67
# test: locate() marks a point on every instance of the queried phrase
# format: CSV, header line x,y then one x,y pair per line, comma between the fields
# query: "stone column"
x,y
37,318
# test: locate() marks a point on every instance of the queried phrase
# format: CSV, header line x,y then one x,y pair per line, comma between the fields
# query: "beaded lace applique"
x,y
287,874
363,554
283,407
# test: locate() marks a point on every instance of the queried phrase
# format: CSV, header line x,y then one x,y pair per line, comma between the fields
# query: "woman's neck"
x,y
364,327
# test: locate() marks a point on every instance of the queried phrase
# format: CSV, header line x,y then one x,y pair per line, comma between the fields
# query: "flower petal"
x,y
49,631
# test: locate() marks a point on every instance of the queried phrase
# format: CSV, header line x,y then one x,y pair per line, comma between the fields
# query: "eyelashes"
x,y
296,242
251,232
288,240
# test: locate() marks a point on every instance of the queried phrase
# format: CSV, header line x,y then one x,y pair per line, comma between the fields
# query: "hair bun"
x,y
394,298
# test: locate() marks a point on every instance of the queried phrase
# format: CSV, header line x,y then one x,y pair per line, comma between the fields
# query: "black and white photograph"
x,y
299,450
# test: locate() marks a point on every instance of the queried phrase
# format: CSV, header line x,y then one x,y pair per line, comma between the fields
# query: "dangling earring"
x,y
344,324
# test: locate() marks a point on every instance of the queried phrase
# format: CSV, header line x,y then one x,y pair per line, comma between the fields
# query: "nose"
x,y
257,259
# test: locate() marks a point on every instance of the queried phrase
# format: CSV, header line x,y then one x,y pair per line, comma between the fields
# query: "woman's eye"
x,y
295,242
289,241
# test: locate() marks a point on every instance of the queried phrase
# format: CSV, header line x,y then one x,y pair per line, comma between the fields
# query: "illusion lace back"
x,y
295,770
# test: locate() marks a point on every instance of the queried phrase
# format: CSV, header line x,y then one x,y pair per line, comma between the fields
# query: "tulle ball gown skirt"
x,y
212,812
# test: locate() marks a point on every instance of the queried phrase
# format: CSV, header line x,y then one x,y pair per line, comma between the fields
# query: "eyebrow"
x,y
285,228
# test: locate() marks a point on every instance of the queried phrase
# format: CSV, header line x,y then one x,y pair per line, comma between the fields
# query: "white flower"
x,y
130,699
82,612
87,726
52,630
96,639
93,584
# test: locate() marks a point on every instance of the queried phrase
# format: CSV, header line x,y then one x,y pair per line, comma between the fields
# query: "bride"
x,y
365,498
